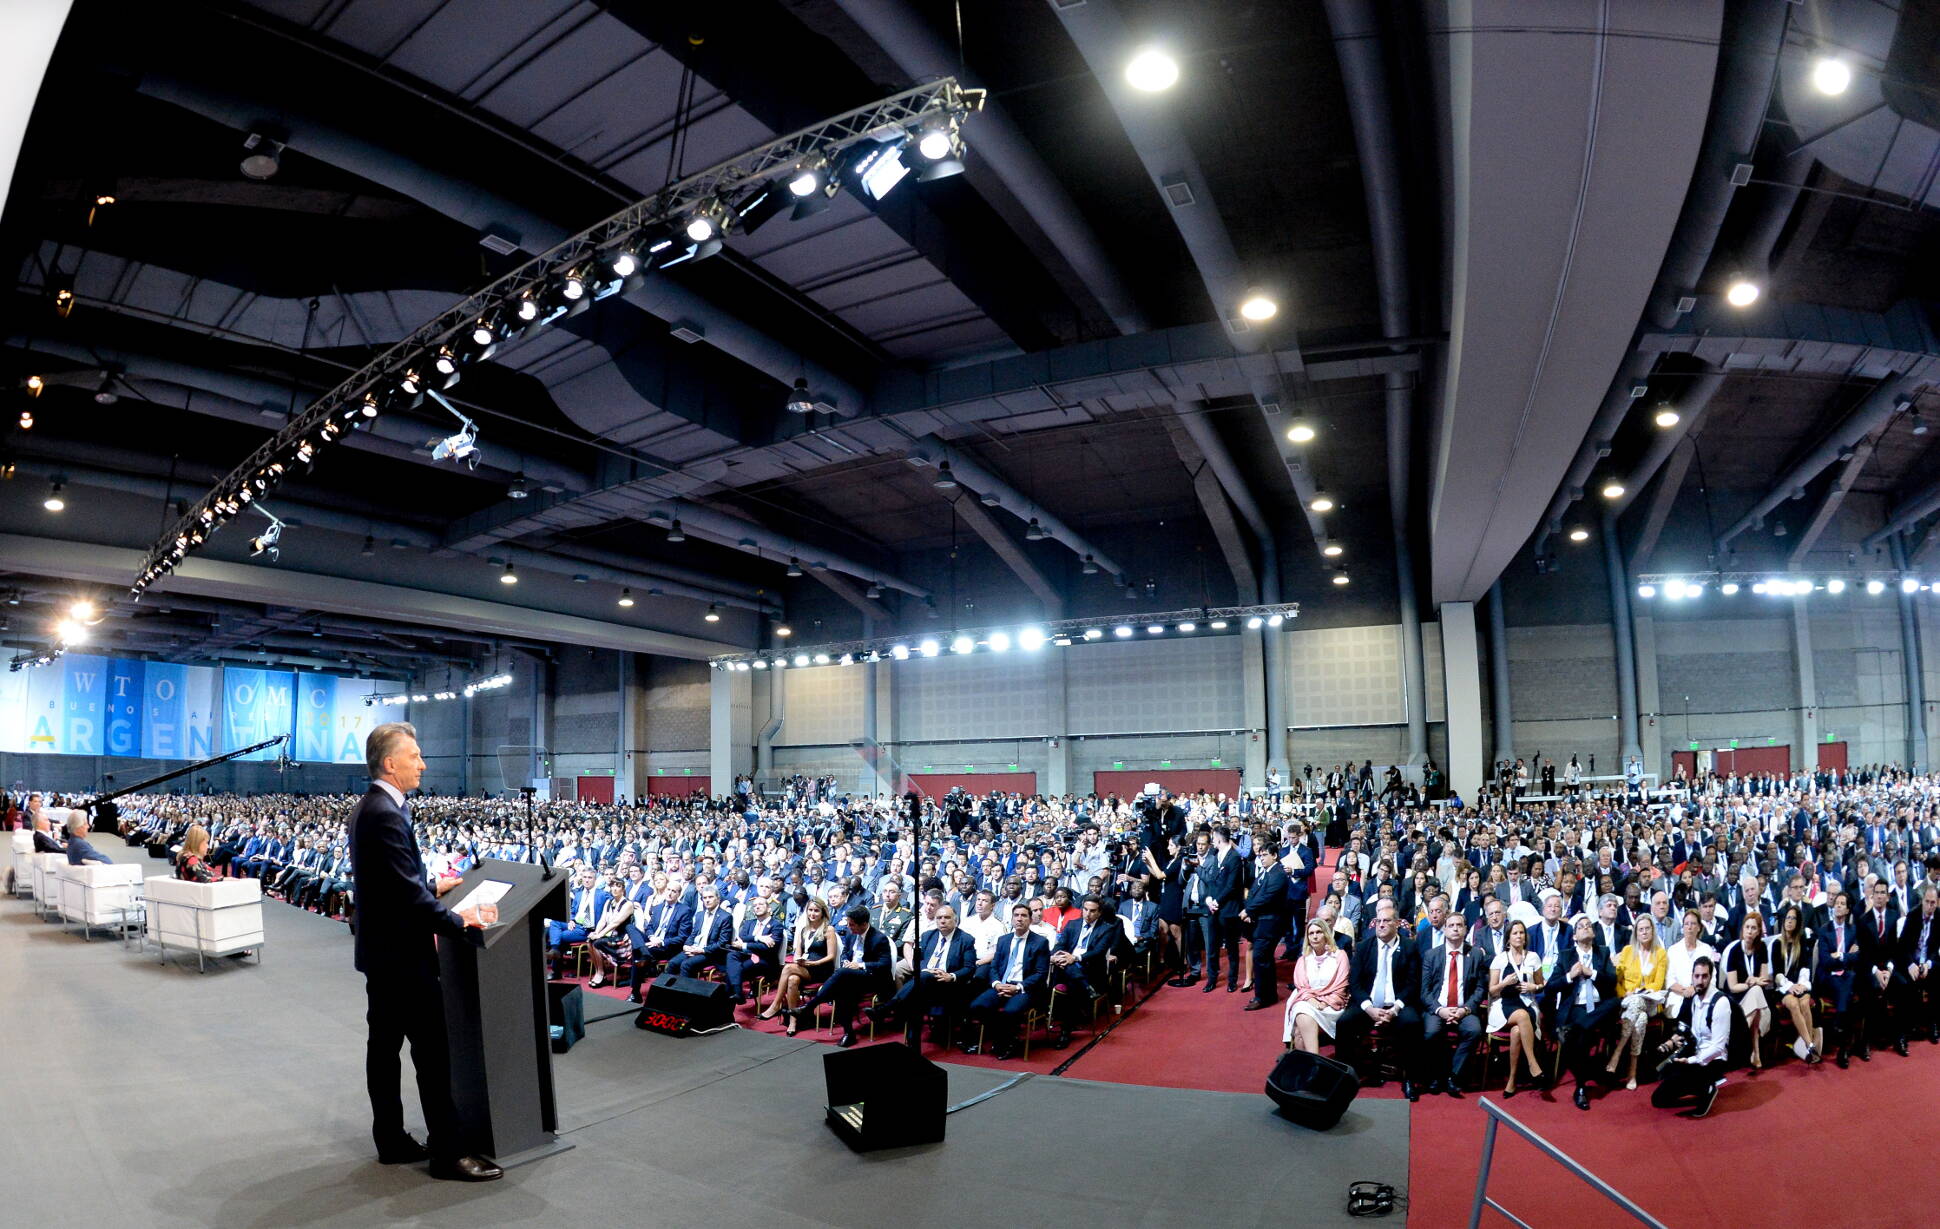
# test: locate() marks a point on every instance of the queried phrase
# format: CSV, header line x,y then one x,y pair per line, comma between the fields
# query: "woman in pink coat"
x,y
1319,990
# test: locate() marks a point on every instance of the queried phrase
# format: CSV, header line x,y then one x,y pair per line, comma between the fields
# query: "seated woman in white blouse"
x,y
1319,990
1684,953
1515,982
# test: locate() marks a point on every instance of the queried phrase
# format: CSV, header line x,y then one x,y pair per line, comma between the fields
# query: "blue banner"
x,y
123,731
332,719
178,711
256,704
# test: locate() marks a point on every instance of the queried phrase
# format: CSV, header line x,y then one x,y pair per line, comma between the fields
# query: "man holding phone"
x,y
398,918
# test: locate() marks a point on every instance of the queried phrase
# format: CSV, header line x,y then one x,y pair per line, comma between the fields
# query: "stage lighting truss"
x,y
494,683
460,445
1029,638
654,233
1681,587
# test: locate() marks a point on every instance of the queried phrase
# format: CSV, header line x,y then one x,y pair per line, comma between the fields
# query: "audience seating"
x,y
222,918
23,862
46,869
96,895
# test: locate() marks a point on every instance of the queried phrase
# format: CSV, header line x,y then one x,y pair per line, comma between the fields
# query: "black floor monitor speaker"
x,y
885,1096
681,1005
1311,1090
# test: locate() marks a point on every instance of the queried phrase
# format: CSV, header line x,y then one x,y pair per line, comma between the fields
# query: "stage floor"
x,y
137,1094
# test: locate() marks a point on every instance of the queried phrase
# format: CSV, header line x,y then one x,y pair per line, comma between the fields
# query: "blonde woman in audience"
x,y
812,956
1642,969
1319,990
1515,984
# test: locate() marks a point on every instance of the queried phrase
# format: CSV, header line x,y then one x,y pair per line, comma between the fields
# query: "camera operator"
x,y
1190,932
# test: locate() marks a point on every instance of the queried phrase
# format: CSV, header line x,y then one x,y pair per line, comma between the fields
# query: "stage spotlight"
x,y
705,223
1910,585
962,644
999,642
1646,590
1122,632
34,385
460,445
1729,588
942,151
900,652
1875,587
1218,625
1031,639
410,384
809,177
26,420
1255,623
1275,619
1188,626
1835,585
801,659
68,632
1156,629
929,648
60,287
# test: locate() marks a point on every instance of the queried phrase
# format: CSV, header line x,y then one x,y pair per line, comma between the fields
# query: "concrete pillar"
x,y
1252,655
1462,677
1629,742
1643,632
1057,715
730,743
1505,728
540,762
1916,715
631,727
1805,756
889,766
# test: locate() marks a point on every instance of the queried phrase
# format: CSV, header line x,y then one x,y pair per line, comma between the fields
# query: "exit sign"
x,y
1011,767
1165,763
1215,763
1694,746
1118,763
1734,742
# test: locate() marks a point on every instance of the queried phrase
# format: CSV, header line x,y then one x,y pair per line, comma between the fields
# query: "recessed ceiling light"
x,y
1830,76
1666,417
1152,70
1258,307
1742,292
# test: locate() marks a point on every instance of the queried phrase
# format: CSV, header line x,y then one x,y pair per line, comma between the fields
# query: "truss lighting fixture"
x,y
34,385
928,647
1742,292
1156,629
1911,584
61,287
1031,639
1665,417
1258,307
1274,620
508,576
1875,587
54,501
880,169
460,445
706,222
1122,631
626,597
809,177
26,420
1300,431
941,150
999,642
1321,502
1646,590
962,644
1151,71
1729,588
1831,76
1188,627
1835,586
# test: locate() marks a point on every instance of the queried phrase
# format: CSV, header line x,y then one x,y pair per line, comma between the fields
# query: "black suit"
x,y
847,987
1265,904
398,918
1579,1026
45,843
1916,997
925,990
1474,987
1219,878
1878,947
1404,977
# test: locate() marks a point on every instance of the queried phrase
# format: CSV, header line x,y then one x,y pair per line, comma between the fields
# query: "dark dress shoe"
x,y
466,1169
1582,1098
1256,1004
1062,1039
1209,987
848,1039
971,1047
1409,1091
406,1151
1899,1048
1843,1062
1865,1054
1454,1090
1509,1092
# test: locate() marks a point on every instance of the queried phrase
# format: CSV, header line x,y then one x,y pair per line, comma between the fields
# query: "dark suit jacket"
x,y
398,914
1267,901
1563,991
680,922
960,961
46,842
1365,967
1877,949
874,948
1221,881
1037,961
1102,936
719,931
1434,978
1910,951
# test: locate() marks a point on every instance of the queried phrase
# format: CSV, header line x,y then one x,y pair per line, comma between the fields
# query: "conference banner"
x,y
82,704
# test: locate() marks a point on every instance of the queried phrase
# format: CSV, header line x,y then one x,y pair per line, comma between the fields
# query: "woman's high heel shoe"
x,y
793,1024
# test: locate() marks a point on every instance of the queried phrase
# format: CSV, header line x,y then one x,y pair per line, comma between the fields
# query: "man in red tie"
x,y
1454,985
1878,970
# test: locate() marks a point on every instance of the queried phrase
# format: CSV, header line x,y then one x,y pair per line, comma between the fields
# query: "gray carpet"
x,y
236,1098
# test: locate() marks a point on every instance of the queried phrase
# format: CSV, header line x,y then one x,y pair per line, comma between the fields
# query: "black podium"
x,y
497,1015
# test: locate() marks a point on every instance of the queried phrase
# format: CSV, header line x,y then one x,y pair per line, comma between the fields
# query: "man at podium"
x,y
398,919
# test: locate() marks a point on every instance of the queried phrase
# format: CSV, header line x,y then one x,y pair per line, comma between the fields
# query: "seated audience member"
x,y
1454,986
1020,970
1694,1068
1139,917
707,944
79,851
582,914
44,839
1382,981
1835,974
861,971
1515,995
609,944
1080,963
1920,937
756,950
811,957
1583,984
189,863
945,960
985,926
1320,988
1642,970
1748,981
1792,958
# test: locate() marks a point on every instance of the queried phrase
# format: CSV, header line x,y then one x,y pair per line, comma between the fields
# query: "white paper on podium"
x,y
487,892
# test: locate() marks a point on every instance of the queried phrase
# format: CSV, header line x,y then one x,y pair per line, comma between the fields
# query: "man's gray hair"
x,y
1609,898
382,743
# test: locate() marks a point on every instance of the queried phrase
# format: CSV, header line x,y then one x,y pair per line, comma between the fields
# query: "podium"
x,y
497,1014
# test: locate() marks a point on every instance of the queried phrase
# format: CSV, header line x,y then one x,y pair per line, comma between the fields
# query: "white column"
x,y
888,768
1462,679
632,700
730,735
1651,724
1252,656
1057,765
1805,756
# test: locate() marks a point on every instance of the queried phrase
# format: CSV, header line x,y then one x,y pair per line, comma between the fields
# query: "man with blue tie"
x,y
755,951
861,969
583,910
1141,919
707,944
1081,961
669,923
1019,971
945,960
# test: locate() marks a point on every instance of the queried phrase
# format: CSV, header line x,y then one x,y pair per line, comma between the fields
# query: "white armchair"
x,y
210,919
97,894
23,864
45,869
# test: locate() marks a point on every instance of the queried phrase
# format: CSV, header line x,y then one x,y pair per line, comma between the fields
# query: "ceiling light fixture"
x,y
508,576
794,566
54,502
517,490
784,631
1332,549
1258,307
1300,431
944,480
1579,533
265,156
1612,489
1034,532
1151,71
713,614
1321,502
1340,578
1742,292
1666,417
626,597
800,400
673,532
1831,76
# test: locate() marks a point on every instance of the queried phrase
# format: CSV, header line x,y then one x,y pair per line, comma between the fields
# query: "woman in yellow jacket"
x,y
1640,988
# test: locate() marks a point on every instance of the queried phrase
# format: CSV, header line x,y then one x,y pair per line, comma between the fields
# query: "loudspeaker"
x,y
679,1005
1311,1090
884,1096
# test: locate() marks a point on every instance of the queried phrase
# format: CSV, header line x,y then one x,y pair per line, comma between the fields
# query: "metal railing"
x,y
1499,1117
